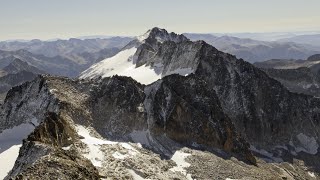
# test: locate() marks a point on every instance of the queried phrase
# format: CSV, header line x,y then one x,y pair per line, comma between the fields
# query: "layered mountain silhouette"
x,y
257,51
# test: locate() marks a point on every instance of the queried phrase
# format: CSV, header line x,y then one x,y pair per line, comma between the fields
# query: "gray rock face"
x,y
261,108
27,103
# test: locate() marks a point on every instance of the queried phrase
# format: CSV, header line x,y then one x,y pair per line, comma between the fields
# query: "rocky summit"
x,y
164,107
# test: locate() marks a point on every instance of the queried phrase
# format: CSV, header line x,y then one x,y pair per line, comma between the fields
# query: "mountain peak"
x,y
161,35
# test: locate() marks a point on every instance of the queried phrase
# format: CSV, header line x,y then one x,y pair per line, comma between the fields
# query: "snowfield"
x,y
179,158
10,143
122,64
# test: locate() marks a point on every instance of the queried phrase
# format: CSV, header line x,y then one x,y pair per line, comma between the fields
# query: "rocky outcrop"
x,y
41,156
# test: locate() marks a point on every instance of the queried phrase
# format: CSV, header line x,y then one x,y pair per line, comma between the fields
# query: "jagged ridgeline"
x,y
186,111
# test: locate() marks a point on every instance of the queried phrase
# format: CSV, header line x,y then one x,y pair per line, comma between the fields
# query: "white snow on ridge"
x,y
10,143
122,64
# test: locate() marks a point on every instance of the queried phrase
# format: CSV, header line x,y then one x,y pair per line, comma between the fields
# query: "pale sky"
x,y
48,19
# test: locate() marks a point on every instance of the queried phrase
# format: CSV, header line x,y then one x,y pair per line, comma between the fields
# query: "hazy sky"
x,y
46,19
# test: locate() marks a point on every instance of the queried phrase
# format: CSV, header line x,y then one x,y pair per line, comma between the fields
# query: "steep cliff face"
x,y
188,112
261,108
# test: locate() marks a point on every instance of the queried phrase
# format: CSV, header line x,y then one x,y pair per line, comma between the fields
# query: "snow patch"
x,y
66,148
135,175
10,143
311,174
7,159
181,71
95,155
118,155
52,91
179,158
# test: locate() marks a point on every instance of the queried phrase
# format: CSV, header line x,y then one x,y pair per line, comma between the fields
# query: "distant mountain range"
x,y
66,64
16,73
313,39
256,51
65,47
